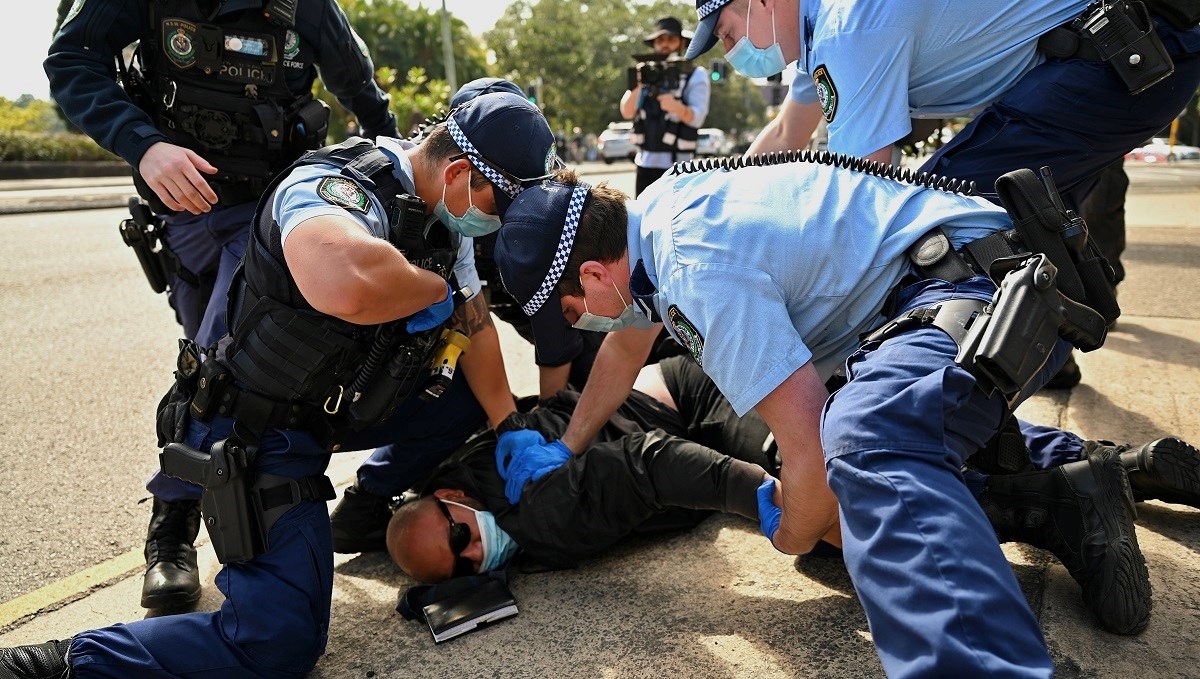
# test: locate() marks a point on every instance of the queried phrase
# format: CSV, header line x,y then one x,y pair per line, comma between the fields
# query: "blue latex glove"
x,y
532,463
768,513
433,315
512,441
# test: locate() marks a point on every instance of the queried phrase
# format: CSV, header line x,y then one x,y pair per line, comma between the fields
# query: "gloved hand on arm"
x,y
433,315
531,464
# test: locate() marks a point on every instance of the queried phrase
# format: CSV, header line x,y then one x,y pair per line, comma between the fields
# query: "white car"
x,y
614,143
711,142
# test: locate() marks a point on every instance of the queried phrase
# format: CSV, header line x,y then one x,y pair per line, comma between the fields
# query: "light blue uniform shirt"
x,y
780,265
696,92
890,61
296,200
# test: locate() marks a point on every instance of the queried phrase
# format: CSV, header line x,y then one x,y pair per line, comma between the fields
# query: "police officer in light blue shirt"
x,y
769,276
1041,90
867,67
335,318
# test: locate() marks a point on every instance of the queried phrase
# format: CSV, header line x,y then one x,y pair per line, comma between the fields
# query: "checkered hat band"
x,y
710,7
465,144
565,243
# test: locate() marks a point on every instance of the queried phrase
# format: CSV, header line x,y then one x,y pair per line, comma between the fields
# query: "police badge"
x,y
826,92
343,193
686,332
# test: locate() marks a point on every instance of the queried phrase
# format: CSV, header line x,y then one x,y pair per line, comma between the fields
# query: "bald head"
x,y
418,536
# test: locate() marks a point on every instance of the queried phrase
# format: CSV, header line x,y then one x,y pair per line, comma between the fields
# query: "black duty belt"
x,y
934,257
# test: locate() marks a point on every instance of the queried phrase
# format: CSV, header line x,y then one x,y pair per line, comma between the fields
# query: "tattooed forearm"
x,y
472,317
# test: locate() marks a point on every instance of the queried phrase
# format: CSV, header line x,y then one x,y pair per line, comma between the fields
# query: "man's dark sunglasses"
x,y
460,537
516,181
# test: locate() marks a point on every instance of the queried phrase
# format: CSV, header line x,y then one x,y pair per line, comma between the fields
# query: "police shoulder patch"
x,y
687,333
343,193
826,92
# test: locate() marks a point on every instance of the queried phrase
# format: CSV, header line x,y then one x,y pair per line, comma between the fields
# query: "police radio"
x,y
1123,35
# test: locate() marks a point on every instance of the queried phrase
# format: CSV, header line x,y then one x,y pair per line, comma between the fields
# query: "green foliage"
x,y
582,51
27,114
20,146
405,44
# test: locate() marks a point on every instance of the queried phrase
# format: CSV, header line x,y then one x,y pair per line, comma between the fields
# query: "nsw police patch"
x,y
826,92
343,193
179,42
687,333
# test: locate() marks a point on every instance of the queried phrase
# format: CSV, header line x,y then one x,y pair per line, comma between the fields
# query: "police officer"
x,y
666,116
769,275
219,103
336,317
1071,85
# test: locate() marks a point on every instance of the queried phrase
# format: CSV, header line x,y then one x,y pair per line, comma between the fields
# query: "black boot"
x,y
1083,513
172,578
360,522
1067,376
41,661
1166,469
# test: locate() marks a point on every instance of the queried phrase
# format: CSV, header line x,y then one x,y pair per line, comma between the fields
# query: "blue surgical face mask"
x,y
473,223
498,546
756,62
628,318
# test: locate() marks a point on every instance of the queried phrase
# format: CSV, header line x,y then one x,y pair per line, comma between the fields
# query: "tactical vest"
x,y
344,376
653,132
221,90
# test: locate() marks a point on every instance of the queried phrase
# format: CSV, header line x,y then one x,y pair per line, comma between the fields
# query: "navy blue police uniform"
x,y
293,385
231,81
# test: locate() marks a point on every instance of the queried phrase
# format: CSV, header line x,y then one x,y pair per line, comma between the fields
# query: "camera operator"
x,y
667,100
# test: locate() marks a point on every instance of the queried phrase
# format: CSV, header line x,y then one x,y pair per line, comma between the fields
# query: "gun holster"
x,y
238,511
229,515
145,233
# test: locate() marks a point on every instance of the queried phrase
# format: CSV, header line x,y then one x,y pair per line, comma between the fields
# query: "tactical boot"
x,y
1083,513
1067,376
360,522
41,661
1167,469
172,578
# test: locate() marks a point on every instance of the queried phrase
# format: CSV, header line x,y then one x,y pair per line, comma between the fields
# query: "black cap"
x,y
667,26
708,11
532,249
510,134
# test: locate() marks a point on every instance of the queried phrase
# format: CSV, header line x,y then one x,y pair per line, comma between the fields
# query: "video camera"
x,y
664,72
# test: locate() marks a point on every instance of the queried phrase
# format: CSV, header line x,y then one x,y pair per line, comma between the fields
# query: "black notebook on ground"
x,y
469,610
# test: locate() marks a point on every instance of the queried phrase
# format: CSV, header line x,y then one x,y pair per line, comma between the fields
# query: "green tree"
x,y
27,114
405,43
582,51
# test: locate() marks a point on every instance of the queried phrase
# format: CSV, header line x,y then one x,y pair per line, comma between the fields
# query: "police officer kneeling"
x,y
771,274
336,317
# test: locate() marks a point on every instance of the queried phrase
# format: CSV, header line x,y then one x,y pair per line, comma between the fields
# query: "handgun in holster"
x,y
232,521
1062,288
144,232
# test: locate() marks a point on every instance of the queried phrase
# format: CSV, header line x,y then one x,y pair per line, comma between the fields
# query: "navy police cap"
x,y
507,139
481,86
532,249
708,11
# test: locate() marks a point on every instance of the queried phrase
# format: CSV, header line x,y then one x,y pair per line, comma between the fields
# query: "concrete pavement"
x,y
720,602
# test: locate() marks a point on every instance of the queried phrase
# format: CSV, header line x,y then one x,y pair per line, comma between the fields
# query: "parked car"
x,y
1159,150
711,142
614,143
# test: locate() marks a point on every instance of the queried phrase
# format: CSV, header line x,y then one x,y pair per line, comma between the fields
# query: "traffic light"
x,y
532,94
718,70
